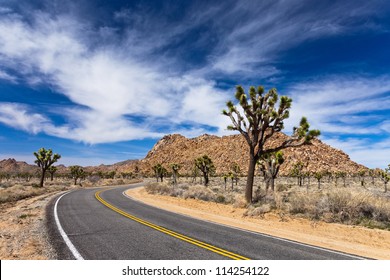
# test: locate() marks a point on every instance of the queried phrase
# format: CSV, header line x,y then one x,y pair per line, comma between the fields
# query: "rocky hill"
x,y
12,166
226,150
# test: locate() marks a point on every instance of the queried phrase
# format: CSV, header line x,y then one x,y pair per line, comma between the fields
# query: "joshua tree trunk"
x,y
174,179
251,174
42,177
272,183
75,180
385,187
206,178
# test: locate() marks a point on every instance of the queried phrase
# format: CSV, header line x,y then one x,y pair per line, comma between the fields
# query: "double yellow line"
x,y
170,232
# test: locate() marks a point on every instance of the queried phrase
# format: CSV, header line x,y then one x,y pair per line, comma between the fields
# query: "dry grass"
x,y
354,205
342,206
19,192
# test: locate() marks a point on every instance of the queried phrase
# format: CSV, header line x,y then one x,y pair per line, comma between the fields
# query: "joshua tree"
x,y
361,174
271,163
195,173
127,175
45,159
76,172
232,177
337,175
318,175
175,172
236,171
261,120
225,177
111,174
206,166
297,171
385,176
159,171
52,169
372,173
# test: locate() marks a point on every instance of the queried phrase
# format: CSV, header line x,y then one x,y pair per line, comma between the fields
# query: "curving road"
x,y
105,224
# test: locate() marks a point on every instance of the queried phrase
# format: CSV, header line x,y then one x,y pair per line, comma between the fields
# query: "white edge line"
x,y
254,232
68,243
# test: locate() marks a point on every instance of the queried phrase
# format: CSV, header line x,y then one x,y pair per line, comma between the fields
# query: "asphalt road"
x,y
145,232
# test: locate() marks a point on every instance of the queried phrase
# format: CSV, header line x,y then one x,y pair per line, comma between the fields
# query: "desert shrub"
x,y
343,206
282,188
19,192
158,188
220,199
176,192
258,211
239,201
120,182
94,179
5,185
199,192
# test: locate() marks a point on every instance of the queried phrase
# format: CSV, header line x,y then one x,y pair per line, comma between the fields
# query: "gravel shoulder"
x,y
370,243
23,232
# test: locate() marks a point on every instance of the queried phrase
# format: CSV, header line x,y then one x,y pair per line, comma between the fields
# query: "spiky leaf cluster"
x,y
77,171
175,167
52,169
262,115
205,164
159,170
385,174
46,158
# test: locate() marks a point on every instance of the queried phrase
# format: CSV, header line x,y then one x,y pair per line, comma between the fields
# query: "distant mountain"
x,y
12,166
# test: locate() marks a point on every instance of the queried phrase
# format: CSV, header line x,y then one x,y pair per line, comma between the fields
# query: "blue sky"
x,y
102,81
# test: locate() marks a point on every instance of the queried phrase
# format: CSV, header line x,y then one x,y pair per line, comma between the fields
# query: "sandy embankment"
x,y
371,243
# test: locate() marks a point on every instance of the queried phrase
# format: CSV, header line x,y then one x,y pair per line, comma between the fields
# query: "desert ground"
x,y
23,233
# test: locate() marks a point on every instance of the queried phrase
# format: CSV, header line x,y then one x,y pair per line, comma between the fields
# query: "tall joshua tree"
x,y
262,117
45,159
206,166
270,165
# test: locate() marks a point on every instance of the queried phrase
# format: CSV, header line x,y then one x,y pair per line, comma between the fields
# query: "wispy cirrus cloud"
x,y
114,93
349,105
351,112
255,33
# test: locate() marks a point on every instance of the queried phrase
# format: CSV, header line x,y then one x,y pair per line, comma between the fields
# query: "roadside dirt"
x,y
370,243
22,230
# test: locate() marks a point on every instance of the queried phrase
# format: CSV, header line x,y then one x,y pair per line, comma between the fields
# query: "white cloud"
x,y
341,105
17,116
110,85
268,28
122,92
7,77
364,151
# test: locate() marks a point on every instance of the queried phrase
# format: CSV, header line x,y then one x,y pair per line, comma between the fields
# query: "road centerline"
x,y
177,235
